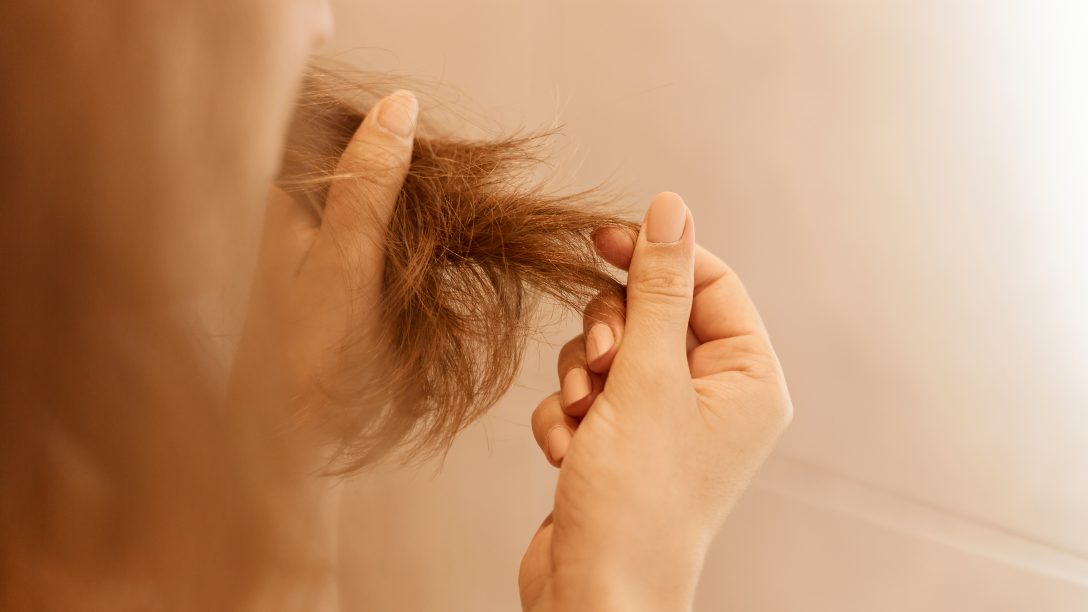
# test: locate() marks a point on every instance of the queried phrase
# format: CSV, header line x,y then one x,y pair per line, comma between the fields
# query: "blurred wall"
x,y
901,184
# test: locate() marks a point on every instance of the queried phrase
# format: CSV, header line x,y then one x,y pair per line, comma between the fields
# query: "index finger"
x,y
721,307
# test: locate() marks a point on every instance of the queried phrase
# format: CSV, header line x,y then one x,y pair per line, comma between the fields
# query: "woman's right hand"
x,y
658,434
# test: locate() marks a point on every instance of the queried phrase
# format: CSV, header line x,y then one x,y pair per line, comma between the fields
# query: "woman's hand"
x,y
320,276
661,421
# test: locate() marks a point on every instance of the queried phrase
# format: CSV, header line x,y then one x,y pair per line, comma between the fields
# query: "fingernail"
x,y
558,443
598,341
398,112
576,386
666,218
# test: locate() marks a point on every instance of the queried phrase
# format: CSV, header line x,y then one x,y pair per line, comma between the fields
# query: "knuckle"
x,y
605,307
540,417
749,353
572,348
649,377
661,283
572,352
723,273
593,309
606,300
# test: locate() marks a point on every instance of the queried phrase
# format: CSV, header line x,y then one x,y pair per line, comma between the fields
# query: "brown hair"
x,y
474,243
125,479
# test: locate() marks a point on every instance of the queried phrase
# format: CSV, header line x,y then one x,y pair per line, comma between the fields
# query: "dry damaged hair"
x,y
474,245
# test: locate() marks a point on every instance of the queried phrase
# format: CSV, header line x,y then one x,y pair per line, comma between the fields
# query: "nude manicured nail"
x,y
576,386
598,341
398,112
666,218
558,443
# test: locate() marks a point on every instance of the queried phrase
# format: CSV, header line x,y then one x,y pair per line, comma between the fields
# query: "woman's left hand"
x,y
319,277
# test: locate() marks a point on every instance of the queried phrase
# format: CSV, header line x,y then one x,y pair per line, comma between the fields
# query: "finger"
x,y
578,386
749,354
369,176
615,245
602,326
552,429
660,283
721,307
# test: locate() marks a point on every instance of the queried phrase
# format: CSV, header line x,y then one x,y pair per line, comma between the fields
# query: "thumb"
x,y
660,284
370,175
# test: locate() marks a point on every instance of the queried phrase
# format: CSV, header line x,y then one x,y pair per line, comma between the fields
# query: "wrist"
x,y
661,580
618,598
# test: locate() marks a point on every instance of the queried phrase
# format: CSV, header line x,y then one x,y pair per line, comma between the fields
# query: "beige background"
x,y
902,185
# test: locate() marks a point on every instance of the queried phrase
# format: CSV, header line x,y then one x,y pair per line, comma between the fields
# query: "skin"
x,y
682,408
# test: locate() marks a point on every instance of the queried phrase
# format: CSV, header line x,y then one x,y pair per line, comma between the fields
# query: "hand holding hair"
x,y
471,244
319,275
657,433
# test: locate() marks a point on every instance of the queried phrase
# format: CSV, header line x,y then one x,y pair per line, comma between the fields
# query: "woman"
x,y
135,133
